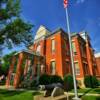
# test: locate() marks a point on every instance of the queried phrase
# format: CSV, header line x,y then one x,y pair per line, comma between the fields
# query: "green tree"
x,y
6,63
13,30
91,81
68,82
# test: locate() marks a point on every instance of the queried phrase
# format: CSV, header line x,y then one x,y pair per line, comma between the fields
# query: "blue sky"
x,y
84,15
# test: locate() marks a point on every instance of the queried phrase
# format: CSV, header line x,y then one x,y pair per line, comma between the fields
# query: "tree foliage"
x,y
68,82
13,30
91,81
6,63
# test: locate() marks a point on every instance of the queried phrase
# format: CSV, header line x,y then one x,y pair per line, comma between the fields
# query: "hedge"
x,y
91,81
50,79
68,82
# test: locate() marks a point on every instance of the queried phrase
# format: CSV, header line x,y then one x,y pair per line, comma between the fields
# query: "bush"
x,y
44,79
91,81
68,82
31,84
48,79
2,82
34,83
56,79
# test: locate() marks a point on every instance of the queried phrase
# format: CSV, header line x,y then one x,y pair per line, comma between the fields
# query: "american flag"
x,y
65,3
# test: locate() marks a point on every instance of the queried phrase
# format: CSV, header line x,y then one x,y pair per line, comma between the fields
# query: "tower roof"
x,y
41,32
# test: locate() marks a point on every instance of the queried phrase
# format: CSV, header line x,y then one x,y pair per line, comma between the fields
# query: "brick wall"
x,y
98,66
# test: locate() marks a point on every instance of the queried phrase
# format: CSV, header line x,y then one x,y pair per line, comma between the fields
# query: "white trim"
x,y
75,61
67,60
52,60
85,62
52,38
73,40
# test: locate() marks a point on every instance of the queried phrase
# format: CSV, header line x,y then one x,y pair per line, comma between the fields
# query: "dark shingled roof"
x,y
56,31
28,52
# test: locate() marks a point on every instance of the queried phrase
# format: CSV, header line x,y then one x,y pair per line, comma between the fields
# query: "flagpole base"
x,y
76,98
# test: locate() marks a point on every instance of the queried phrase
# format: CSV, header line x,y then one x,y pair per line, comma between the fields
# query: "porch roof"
x,y
29,52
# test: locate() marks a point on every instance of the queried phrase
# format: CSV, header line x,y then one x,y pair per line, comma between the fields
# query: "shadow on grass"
x,y
85,93
97,98
7,93
97,90
36,93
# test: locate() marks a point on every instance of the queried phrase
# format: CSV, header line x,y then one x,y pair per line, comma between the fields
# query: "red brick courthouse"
x,y
50,54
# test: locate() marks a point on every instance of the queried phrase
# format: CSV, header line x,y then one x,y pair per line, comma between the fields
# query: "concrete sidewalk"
x,y
87,94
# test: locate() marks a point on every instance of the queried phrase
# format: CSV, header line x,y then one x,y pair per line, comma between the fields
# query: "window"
x,y
53,45
42,69
38,69
53,68
65,45
85,68
66,48
67,67
74,48
28,64
77,69
38,50
83,50
68,53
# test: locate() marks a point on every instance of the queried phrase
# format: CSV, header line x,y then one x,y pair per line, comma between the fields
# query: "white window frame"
x,y
53,68
53,45
77,68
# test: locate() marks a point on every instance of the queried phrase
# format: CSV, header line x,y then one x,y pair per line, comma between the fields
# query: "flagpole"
x,y
72,59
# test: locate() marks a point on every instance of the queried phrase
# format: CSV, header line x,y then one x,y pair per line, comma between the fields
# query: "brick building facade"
x,y
51,55
97,56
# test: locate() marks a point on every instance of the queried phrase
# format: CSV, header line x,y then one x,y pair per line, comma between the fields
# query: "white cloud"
x,y
80,1
99,21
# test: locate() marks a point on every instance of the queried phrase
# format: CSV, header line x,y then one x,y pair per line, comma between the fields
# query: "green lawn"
x,y
87,97
89,90
17,95
90,98
28,95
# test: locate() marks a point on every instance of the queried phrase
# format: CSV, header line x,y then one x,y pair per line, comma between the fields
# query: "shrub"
x,y
68,82
2,82
30,84
33,83
49,79
91,81
44,79
56,79
99,82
